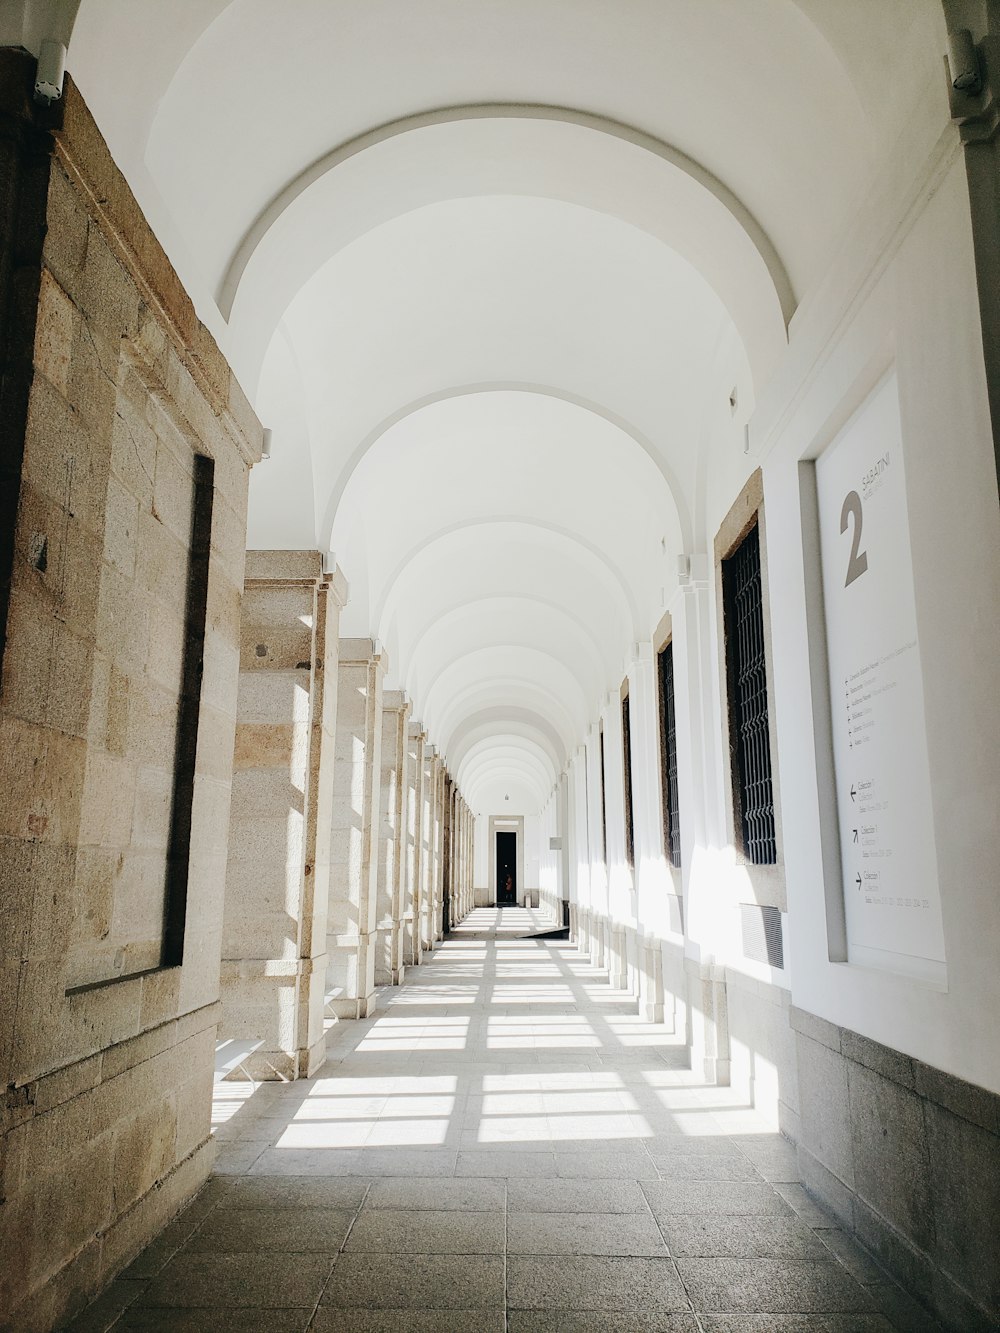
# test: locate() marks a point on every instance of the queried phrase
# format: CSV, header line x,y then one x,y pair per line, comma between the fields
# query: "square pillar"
x,y
391,833
277,872
427,849
354,822
412,947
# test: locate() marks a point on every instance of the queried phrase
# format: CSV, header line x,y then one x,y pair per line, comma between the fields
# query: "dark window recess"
x,y
762,937
627,764
749,741
668,757
604,806
189,708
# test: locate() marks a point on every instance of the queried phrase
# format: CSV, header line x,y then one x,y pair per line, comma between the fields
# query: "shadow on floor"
x,y
504,1146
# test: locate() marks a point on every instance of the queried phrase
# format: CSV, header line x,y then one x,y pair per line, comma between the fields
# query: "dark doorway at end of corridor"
x,y
506,869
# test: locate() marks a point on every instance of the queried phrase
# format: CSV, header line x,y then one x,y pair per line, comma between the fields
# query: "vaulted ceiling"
x,y
490,269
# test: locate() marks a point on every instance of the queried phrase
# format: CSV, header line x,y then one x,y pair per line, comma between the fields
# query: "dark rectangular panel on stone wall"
x,y
25,163
189,708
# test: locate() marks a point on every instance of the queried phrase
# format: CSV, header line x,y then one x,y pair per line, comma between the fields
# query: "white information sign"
x,y
893,905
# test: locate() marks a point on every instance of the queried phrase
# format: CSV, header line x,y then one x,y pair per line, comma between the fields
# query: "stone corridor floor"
x,y
505,1146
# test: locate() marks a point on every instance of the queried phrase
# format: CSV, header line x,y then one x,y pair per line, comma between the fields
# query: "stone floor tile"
x,y
689,1145
382,1230
423,1282
851,1255
805,1206
208,1197
575,1196
437,1194
331,1320
591,1321
772,1286
242,1230
163,1247
707,1197
601,1165
233,1159
704,1166
593,1283
406,1161
584,1233
796,1323
253,1280
102,1314
213,1319
741,1238
901,1310
282,1192
506,1162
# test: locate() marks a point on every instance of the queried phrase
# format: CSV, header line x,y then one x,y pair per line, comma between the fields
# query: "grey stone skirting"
x,y
908,1157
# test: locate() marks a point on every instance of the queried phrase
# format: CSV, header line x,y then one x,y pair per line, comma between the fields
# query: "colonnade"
x,y
350,847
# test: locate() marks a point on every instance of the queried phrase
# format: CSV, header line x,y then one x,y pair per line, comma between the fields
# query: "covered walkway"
x,y
505,1145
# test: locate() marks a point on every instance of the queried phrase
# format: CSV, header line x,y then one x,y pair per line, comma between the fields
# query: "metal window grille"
x,y
747,679
627,764
668,757
604,806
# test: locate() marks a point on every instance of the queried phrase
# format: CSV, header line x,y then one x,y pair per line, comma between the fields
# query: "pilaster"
x,y
354,826
389,961
274,929
427,868
412,947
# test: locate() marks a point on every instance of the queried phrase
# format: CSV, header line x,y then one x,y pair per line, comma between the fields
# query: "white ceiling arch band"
x,y
258,229
683,513
555,610
384,607
494,722
500,752
502,691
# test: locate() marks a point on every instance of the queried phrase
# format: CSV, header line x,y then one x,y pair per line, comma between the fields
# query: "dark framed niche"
x,y
669,792
747,516
629,812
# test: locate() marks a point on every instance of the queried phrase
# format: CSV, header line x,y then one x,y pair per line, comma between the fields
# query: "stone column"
x,y
412,948
437,847
652,881
277,873
391,839
466,859
354,830
447,852
699,750
427,938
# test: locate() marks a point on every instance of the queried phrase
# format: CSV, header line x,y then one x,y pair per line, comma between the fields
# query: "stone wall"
x,y
908,1158
126,447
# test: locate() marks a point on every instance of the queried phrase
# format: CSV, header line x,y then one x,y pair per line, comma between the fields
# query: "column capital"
x,y
395,701
302,567
355,652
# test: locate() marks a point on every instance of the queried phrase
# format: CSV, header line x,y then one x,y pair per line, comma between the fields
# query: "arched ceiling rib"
x,y
553,152
491,270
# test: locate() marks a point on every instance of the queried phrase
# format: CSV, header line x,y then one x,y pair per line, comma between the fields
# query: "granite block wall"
x,y
908,1157
126,447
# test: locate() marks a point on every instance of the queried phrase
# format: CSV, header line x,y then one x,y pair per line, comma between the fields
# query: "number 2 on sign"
x,y
858,562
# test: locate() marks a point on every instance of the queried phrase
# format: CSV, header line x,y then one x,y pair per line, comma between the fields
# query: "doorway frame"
x,y
507,824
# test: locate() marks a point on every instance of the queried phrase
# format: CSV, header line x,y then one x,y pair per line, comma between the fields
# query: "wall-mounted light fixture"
x,y
963,63
50,72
